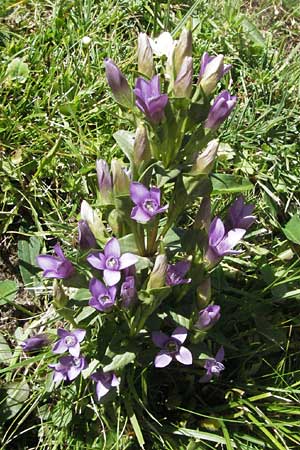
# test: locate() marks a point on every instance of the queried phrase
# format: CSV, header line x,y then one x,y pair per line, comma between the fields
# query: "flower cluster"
x,y
146,274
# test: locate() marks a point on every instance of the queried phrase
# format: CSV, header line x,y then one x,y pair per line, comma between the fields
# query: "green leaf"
x,y
227,183
17,70
128,244
28,250
180,320
16,395
120,361
253,33
292,229
8,290
5,351
125,141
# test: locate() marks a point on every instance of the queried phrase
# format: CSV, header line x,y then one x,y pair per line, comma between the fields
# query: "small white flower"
x,y
163,45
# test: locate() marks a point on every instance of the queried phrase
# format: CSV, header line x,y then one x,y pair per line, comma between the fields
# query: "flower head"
x,y
171,348
35,342
68,368
147,202
221,243
86,239
240,214
163,45
69,341
149,98
220,110
128,291
55,266
118,83
208,317
103,298
176,273
212,70
213,366
111,261
104,382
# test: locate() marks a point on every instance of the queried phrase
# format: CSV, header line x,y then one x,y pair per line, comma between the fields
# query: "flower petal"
x,y
97,260
159,338
232,238
140,215
101,390
111,277
220,354
60,347
180,334
138,192
75,350
73,372
79,334
47,262
127,260
62,333
184,356
162,359
112,248
97,288
216,232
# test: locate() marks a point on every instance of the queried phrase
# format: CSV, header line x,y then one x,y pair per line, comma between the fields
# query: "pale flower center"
x,y
172,346
104,298
77,362
70,341
112,262
150,205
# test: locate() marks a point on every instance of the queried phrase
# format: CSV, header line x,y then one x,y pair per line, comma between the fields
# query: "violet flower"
x,y
147,202
213,366
118,83
208,317
55,266
104,181
86,239
128,291
104,382
220,110
172,348
103,299
111,261
212,70
149,98
68,368
176,272
69,341
221,243
34,342
240,214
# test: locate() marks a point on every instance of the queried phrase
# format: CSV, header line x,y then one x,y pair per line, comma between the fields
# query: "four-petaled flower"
x,y
68,368
55,266
240,214
69,341
104,382
111,261
149,98
103,298
176,272
147,202
221,243
220,110
213,366
208,317
172,347
34,342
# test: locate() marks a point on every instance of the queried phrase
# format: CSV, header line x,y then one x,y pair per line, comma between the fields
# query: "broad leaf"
x,y
17,70
120,361
292,229
125,140
5,351
16,395
226,183
8,291
28,250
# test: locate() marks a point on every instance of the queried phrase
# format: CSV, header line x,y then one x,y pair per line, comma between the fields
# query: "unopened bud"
x,y
157,277
205,161
145,56
141,148
94,222
204,293
183,48
211,73
121,181
118,84
86,239
104,181
184,81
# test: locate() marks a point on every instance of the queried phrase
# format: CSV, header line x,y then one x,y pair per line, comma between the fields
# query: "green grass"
x,y
55,122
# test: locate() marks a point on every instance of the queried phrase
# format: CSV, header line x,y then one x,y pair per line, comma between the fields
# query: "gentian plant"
x,y
136,292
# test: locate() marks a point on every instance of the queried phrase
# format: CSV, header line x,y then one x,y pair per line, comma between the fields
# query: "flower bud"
x,y
157,277
86,239
121,181
104,181
35,342
208,317
145,56
184,81
205,161
212,70
204,293
183,48
220,110
141,148
94,222
118,84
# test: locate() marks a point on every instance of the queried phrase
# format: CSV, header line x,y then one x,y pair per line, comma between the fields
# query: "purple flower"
x,y
104,382
176,272
128,291
69,341
104,180
147,201
86,239
103,298
68,368
111,261
149,99
221,243
35,342
118,83
220,110
172,348
240,214
55,266
208,317
213,366
213,64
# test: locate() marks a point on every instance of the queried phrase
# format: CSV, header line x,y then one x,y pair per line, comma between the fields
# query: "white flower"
x,y
163,45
